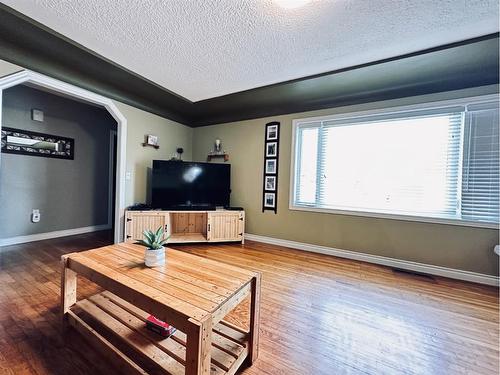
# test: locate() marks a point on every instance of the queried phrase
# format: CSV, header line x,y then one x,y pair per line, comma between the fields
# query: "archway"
x,y
56,86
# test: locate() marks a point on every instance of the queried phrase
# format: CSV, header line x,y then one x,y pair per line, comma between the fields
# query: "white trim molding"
x,y
56,86
111,160
382,215
48,235
384,261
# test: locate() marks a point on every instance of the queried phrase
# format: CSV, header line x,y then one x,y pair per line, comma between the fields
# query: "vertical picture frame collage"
x,y
271,158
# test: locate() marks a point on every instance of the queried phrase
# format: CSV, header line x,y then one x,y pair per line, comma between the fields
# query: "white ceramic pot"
x,y
154,258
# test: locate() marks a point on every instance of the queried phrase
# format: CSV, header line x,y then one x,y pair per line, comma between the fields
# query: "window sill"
x,y
380,215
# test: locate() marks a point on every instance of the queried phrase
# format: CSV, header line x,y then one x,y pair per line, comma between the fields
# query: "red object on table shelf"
x,y
159,326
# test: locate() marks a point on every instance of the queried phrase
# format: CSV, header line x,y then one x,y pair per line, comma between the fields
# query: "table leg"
x,y
68,289
198,347
253,342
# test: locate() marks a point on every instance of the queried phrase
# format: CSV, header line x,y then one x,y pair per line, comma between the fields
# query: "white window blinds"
x,y
440,163
481,163
307,160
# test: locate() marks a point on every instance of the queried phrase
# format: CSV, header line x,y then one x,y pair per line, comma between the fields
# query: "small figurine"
x,y
218,146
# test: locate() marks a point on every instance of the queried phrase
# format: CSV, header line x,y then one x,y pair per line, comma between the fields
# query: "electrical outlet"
x,y
35,216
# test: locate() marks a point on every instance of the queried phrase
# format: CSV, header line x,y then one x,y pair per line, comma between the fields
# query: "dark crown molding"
x,y
460,65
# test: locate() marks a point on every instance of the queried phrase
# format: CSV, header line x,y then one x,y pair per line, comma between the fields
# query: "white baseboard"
x,y
385,261
55,234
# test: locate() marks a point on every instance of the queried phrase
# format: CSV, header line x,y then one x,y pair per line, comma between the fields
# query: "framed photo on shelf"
x,y
270,200
270,183
152,140
271,166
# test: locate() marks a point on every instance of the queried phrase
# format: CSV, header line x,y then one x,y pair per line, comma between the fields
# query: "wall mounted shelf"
x,y
144,144
212,156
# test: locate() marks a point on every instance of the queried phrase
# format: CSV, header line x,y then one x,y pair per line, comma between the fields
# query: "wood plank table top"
x,y
192,286
191,293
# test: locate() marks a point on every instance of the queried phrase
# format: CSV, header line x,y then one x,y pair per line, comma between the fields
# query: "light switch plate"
x,y
37,115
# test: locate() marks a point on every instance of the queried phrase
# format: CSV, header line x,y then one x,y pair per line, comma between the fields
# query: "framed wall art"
x,y
270,183
271,149
270,200
27,142
270,167
271,157
272,132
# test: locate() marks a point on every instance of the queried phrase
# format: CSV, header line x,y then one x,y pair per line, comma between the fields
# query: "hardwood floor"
x,y
319,314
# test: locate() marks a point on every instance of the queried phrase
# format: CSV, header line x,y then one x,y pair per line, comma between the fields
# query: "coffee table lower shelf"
x,y
117,329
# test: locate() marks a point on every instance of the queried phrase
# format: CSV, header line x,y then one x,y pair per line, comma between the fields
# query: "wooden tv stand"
x,y
188,226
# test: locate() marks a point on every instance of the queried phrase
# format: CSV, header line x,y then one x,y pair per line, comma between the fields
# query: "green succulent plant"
x,y
153,240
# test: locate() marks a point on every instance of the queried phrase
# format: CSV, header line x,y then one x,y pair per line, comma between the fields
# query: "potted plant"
x,y
155,252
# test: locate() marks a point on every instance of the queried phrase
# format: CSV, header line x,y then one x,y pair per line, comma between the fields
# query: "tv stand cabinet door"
x,y
225,226
136,222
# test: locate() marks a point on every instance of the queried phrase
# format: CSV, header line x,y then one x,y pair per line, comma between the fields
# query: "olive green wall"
x,y
139,159
7,68
452,246
171,135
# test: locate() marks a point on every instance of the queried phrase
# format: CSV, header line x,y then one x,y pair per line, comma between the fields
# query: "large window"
x,y
435,162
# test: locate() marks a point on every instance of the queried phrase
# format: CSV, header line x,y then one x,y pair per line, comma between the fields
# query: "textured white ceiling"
x,y
201,49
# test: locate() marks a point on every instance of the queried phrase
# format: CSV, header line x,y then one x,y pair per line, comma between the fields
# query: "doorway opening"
x,y
115,140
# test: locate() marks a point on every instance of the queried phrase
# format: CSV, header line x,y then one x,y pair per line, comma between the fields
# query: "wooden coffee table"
x,y
191,293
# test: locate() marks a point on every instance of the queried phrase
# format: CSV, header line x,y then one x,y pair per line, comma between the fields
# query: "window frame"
x,y
464,101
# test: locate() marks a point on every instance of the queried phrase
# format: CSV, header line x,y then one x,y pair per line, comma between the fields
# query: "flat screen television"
x,y
189,186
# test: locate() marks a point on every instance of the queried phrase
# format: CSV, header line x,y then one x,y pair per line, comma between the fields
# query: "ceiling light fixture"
x,y
291,4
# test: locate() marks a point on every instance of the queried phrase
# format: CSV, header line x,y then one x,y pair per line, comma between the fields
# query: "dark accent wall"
x,y
69,193
470,63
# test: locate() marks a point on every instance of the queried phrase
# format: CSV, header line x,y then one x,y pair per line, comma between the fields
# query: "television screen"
x,y
187,185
